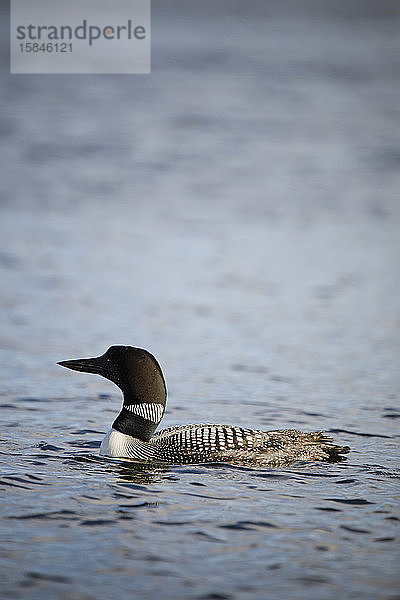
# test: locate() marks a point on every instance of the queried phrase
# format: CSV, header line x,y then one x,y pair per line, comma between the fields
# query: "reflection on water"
x,y
236,214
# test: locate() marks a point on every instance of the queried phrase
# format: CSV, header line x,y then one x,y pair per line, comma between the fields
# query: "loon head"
x,y
137,373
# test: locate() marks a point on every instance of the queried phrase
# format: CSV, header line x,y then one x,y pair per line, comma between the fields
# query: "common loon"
x,y
137,373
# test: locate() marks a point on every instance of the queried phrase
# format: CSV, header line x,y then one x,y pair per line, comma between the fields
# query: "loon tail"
x,y
334,452
290,444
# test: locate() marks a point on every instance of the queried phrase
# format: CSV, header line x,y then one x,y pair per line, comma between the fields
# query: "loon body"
x,y
137,373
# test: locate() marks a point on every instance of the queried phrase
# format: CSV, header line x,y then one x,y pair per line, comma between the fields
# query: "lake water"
x,y
237,214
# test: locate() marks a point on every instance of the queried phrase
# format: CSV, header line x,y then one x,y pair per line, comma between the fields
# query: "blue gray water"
x,y
237,214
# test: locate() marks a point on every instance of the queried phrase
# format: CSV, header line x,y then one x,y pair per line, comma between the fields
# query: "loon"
x,y
139,376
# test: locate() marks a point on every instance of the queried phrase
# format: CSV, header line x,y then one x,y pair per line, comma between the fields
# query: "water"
x,y
236,213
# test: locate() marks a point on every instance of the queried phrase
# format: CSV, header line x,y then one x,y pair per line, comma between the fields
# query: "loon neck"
x,y
139,419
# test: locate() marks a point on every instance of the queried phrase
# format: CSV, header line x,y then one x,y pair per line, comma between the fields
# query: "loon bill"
x,y
137,373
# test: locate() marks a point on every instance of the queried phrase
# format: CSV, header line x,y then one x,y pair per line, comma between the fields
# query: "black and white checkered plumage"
x,y
206,443
132,436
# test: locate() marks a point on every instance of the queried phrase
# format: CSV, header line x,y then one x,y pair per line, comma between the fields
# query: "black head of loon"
x,y
137,373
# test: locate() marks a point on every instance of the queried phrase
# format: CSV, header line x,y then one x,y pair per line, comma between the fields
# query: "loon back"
x,y
139,376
